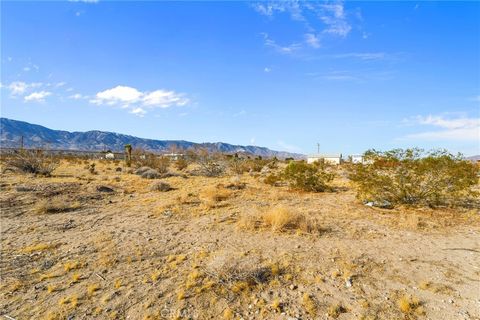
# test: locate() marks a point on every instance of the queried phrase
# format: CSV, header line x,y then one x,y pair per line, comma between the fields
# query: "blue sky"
x,y
285,75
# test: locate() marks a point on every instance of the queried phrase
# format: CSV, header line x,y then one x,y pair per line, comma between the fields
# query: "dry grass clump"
x,y
212,196
309,304
335,310
38,247
410,305
56,205
280,219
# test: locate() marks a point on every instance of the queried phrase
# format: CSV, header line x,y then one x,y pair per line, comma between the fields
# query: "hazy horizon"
x,y
283,75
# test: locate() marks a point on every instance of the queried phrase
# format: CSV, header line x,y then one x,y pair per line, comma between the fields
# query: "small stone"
x,y
348,283
293,287
104,189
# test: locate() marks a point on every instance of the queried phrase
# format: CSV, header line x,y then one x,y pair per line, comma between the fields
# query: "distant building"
x,y
328,158
174,156
357,158
109,155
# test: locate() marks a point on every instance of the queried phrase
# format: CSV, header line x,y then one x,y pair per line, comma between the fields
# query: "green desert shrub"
x,y
414,177
307,177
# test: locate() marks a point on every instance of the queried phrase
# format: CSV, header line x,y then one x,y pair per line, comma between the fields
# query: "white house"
x,y
109,155
357,158
328,158
173,156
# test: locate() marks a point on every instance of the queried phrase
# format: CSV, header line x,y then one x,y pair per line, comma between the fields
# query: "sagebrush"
x,y
414,177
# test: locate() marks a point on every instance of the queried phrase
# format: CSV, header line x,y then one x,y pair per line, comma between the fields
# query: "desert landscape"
x,y
100,240
239,160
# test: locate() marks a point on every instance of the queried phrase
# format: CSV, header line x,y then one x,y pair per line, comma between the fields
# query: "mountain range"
x,y
36,136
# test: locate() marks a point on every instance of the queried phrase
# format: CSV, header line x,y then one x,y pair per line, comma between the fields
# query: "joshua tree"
x,y
128,155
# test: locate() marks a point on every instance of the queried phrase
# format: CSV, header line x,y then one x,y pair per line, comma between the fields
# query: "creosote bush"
x,y
211,164
414,177
33,161
307,177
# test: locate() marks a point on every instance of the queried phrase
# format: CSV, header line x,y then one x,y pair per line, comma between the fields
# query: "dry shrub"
x,y
56,205
148,159
307,177
279,218
414,177
161,186
231,271
249,220
211,164
236,183
32,161
147,173
181,164
188,198
211,196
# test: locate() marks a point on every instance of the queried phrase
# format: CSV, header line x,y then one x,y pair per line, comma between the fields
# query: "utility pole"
x,y
21,143
318,148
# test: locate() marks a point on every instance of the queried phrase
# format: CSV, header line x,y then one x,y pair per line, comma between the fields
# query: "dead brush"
x,y
32,161
56,205
237,274
279,219
212,196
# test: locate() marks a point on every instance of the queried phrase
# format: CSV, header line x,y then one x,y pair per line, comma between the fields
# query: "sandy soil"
x,y
139,254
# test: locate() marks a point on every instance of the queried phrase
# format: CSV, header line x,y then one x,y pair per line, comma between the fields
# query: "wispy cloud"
x,y
136,101
76,96
288,49
327,18
240,113
19,87
312,40
267,69
448,128
361,55
334,17
37,96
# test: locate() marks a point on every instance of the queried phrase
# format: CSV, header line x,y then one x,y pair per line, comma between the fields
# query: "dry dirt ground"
x,y
70,250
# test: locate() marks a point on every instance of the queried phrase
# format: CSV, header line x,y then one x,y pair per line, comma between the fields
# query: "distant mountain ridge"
x,y
36,136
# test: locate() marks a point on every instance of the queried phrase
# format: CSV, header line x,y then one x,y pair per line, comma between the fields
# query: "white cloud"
x,y
137,101
119,94
37,96
267,69
138,112
460,128
312,40
20,87
76,96
164,99
333,16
